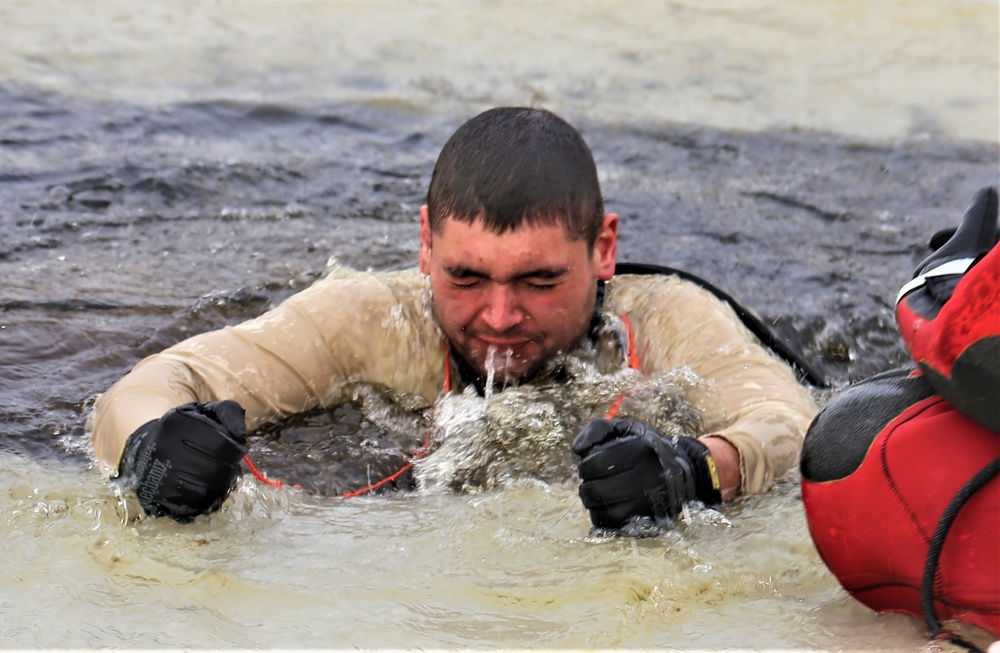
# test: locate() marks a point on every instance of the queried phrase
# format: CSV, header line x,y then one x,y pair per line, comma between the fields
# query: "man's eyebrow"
x,y
463,272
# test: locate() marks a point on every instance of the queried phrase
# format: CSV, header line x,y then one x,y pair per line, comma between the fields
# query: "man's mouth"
x,y
505,347
503,343
503,355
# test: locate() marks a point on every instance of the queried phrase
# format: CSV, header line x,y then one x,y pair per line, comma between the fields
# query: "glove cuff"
x,y
707,487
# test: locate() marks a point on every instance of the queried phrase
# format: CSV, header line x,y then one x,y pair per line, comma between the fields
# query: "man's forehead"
x,y
551,226
513,253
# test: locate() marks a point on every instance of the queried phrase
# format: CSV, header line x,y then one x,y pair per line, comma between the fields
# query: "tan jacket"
x,y
377,328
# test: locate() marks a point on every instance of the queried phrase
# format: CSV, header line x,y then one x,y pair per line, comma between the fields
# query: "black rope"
x,y
982,477
756,326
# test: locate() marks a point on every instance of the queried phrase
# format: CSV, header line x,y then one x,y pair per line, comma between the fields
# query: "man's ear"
x,y
425,241
606,248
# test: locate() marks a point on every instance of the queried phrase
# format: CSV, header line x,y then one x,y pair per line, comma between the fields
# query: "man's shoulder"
x,y
644,283
342,277
658,292
631,279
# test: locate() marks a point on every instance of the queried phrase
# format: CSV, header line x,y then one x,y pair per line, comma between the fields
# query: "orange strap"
x,y
633,362
447,366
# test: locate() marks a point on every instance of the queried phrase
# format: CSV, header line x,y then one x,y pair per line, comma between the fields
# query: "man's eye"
x,y
541,285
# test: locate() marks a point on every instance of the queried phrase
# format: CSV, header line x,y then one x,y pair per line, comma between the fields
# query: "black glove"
x,y
629,470
187,462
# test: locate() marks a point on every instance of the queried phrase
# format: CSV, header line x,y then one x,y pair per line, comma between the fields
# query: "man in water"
x,y
516,269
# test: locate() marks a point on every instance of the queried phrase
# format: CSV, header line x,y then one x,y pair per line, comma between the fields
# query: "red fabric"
x,y
971,314
873,528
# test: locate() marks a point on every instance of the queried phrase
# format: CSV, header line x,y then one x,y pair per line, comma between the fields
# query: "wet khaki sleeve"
x,y
348,327
747,396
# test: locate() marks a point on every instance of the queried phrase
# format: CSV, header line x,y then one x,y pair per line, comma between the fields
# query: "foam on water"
x,y
524,432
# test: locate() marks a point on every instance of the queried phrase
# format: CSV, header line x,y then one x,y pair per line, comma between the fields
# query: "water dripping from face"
x,y
494,365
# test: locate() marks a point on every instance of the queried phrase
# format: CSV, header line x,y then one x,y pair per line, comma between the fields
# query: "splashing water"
x,y
491,370
493,366
524,432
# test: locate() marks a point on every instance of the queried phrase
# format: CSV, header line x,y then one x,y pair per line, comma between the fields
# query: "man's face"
x,y
519,298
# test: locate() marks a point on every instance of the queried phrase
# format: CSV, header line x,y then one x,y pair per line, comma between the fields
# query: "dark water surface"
x,y
128,228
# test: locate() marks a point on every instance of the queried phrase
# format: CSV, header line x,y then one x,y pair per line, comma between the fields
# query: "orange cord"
x,y
259,475
375,486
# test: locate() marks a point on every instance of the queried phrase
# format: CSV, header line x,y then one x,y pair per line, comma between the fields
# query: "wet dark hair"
x,y
514,166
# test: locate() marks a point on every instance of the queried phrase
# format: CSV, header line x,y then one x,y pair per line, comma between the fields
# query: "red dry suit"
x,y
899,472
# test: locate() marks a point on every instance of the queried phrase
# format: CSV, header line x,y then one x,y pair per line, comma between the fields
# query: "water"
x,y
173,167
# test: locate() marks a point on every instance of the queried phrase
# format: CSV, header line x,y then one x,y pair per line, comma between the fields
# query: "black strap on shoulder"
x,y
756,326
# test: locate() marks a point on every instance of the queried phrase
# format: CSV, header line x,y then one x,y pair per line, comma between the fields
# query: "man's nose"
x,y
502,310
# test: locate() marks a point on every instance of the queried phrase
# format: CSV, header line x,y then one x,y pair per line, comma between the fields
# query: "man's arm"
x,y
291,359
754,411
260,364
749,398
